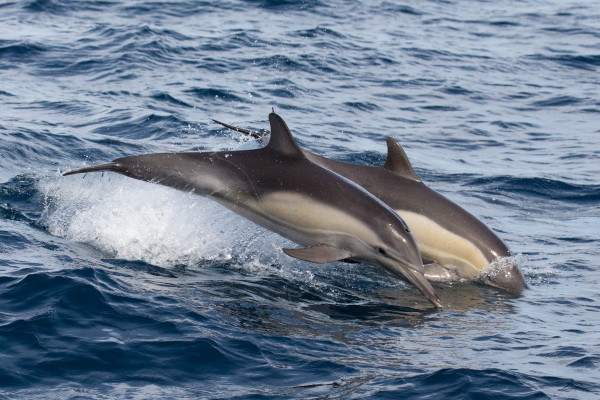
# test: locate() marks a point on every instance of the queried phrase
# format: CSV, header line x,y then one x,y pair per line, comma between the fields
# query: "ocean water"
x,y
112,288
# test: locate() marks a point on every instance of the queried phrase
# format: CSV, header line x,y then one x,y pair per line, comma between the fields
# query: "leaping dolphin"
x,y
452,240
279,188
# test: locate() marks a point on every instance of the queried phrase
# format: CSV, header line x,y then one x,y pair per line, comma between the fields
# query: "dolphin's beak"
x,y
418,279
414,275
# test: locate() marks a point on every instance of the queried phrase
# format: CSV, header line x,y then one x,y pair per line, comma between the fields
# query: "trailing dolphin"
x,y
455,242
279,188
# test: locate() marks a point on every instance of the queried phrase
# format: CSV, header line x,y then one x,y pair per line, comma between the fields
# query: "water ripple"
x,y
543,188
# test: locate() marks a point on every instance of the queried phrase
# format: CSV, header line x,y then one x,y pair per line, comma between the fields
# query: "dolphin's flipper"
x,y
320,254
397,161
438,273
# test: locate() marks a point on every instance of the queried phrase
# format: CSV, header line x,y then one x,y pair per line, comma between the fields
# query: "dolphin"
x,y
279,188
453,242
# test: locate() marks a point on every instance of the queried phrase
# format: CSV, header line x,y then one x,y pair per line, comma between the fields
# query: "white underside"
x,y
313,218
438,244
317,222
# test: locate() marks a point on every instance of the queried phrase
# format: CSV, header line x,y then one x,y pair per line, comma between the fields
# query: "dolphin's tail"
x,y
165,168
104,167
254,134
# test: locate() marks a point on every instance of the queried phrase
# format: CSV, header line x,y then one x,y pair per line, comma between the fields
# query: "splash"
x,y
502,272
136,220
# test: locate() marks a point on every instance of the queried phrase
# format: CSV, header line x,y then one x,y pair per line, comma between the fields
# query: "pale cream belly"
x,y
444,247
313,217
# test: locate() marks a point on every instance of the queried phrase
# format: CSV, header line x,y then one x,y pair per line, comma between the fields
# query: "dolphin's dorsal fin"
x,y
321,253
397,161
281,139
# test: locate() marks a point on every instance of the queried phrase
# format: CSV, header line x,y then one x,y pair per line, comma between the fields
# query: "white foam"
x,y
502,266
136,220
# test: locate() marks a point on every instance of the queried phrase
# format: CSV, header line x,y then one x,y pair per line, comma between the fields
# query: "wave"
x,y
79,323
447,383
467,383
318,32
558,101
287,63
62,7
20,200
215,94
287,5
18,52
148,126
582,62
548,189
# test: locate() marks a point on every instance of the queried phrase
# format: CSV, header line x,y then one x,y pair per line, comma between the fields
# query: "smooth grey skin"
x,y
448,236
279,188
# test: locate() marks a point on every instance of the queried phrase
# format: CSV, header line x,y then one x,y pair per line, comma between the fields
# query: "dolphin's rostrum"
x,y
279,188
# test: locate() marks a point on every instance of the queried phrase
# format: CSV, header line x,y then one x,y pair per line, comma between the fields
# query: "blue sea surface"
x,y
112,288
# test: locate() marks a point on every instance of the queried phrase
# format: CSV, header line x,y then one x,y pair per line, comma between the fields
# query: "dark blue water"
x,y
113,288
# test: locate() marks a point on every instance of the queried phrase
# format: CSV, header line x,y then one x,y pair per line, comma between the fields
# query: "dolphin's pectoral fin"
x,y
319,254
439,273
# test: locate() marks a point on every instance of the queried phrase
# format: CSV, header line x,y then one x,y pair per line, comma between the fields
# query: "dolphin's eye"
x,y
382,251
